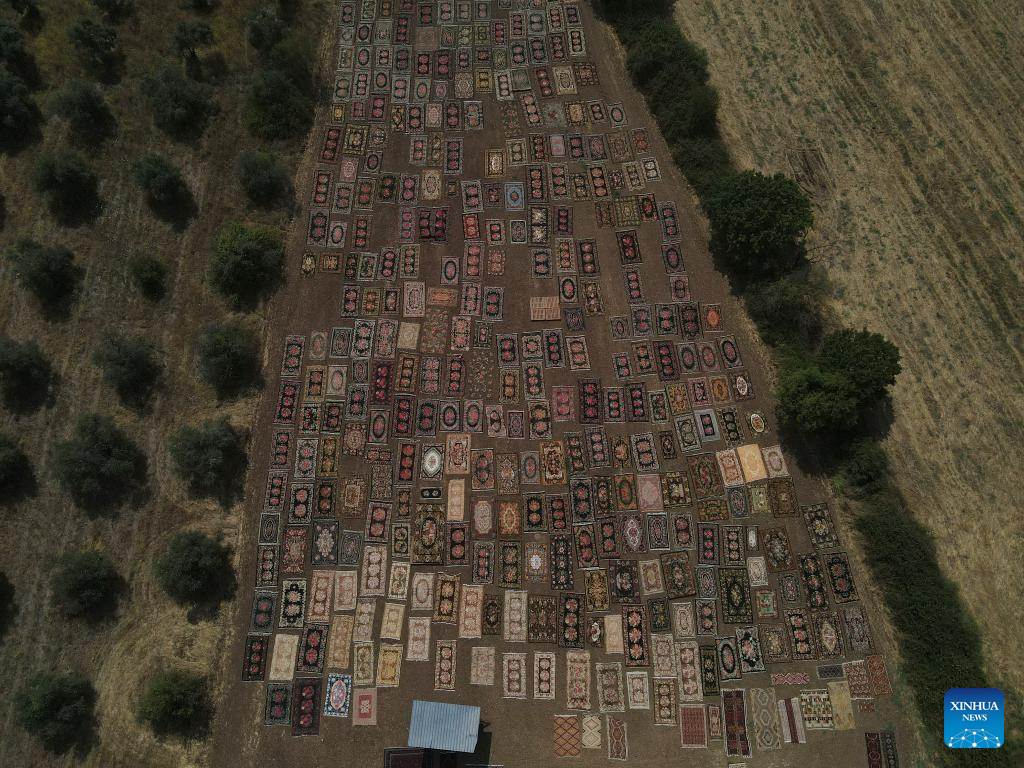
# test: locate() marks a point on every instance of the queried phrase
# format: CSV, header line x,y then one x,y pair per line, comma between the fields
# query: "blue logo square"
x,y
974,718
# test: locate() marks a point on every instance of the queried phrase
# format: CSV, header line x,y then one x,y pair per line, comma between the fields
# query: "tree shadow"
x,y
76,208
23,398
208,608
8,605
178,210
30,133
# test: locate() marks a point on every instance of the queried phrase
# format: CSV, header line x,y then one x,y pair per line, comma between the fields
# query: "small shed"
x,y
444,727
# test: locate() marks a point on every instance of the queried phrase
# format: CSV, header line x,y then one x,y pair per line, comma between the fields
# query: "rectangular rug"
x,y
791,720
858,680
568,736
688,658
419,638
482,664
638,691
513,675
471,611
444,666
764,714
544,675
880,685
618,744
663,654
543,619
339,646
734,708
362,664
364,706
610,696
816,707
591,737
715,721
446,598
515,620
282,660
389,665
693,726
664,702
634,634
577,680
306,707
842,706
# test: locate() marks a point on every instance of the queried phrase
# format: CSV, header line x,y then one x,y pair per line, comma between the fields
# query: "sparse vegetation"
x,y
176,703
210,458
195,569
246,264
228,359
58,709
49,273
86,585
99,467
130,365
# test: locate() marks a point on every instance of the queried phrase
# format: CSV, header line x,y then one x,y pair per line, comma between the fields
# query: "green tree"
x,y
191,35
789,309
131,366
264,28
210,458
69,184
864,470
96,46
115,9
246,263
176,702
18,112
58,709
291,56
195,569
86,585
816,401
14,55
16,476
228,359
758,225
166,192
26,376
149,276
262,180
181,108
99,467
275,107
82,105
867,360
49,273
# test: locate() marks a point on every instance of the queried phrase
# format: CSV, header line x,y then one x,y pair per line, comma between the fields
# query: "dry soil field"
x,y
903,119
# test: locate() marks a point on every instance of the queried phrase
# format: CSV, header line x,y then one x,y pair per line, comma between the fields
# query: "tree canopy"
x,y
868,360
49,273
228,359
195,569
131,366
26,376
246,263
86,585
57,708
209,457
176,702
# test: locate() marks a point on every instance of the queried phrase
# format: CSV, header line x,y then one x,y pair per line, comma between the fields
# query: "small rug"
x,y
638,691
714,721
690,688
543,619
791,719
892,758
816,707
858,680
482,664
591,737
515,616
842,706
306,707
419,638
543,675
664,702
618,744
389,666
693,726
444,666
513,675
880,685
568,736
790,678
282,663
764,713
737,741
873,744
634,635
577,682
364,706
278,709
663,655
471,611
610,696
338,698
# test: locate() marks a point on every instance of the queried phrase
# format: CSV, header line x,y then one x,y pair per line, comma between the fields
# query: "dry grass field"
x,y
150,632
903,121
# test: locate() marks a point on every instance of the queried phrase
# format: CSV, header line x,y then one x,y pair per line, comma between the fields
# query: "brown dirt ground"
x,y
903,119
519,740
150,632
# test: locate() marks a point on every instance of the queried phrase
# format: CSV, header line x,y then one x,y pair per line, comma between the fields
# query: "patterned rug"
x,y
764,714
577,680
816,707
591,737
568,736
338,697
688,655
306,707
879,677
482,665
513,675
544,675
610,696
693,726
737,740
444,666
618,744
842,706
792,721
638,691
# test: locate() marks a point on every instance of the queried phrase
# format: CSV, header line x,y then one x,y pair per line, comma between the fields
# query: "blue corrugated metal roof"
x,y
447,727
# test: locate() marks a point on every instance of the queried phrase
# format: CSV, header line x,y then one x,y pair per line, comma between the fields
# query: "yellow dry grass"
x,y
150,632
903,121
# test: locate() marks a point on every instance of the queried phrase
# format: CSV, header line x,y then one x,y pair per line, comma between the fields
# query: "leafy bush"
x,y
291,56
70,185
262,180
18,112
758,224
864,470
14,55
96,46
86,585
58,709
176,702
130,366
816,401
167,194
868,360
82,105
49,273
228,359
264,28
181,108
99,467
210,458
275,107
246,263
26,376
195,569
16,476
789,309
149,275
